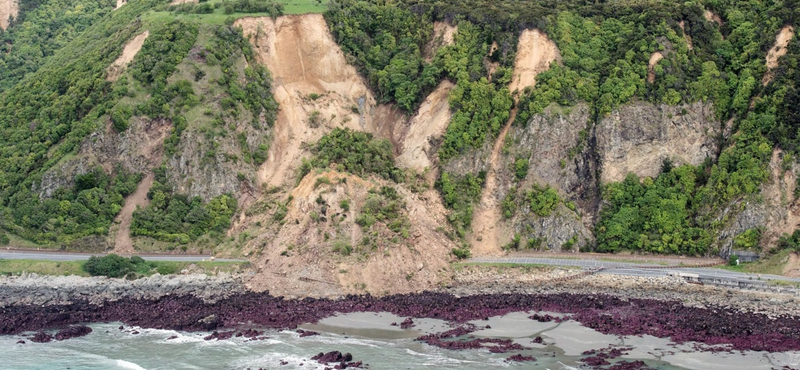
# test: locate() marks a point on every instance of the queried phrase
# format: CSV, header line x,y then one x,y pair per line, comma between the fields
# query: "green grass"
x,y
218,17
17,242
303,6
16,267
64,268
768,265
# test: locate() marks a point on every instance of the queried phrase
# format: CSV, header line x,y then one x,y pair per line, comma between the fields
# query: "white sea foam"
x,y
129,365
565,367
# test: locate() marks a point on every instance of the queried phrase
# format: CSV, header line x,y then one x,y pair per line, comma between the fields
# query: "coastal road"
x,y
641,269
67,256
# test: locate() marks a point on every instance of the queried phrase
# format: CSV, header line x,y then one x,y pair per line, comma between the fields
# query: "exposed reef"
x,y
711,326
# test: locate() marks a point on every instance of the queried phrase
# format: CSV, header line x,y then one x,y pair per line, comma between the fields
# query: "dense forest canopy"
x,y
54,94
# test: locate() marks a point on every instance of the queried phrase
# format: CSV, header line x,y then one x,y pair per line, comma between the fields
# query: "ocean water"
x,y
369,338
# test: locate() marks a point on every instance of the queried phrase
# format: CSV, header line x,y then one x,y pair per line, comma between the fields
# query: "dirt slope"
x,y
778,50
129,51
120,3
299,258
316,89
487,237
178,2
651,66
123,244
778,194
686,37
535,52
712,17
428,124
8,8
443,35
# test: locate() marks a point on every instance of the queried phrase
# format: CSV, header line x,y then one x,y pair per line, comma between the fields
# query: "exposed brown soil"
x,y
491,67
316,89
778,50
535,52
120,3
178,2
443,35
8,8
123,244
686,37
651,66
488,237
792,266
129,51
299,259
779,195
712,17
428,125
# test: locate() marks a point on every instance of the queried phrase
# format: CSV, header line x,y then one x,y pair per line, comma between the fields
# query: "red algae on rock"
x,y
710,326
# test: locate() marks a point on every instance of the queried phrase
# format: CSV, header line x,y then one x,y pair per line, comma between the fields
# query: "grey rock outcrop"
x,y
556,144
32,289
638,137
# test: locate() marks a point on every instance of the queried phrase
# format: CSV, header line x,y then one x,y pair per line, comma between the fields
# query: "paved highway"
x,y
64,256
635,269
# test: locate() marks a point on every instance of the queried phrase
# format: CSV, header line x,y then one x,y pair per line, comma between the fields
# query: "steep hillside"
x,y
318,91
315,87
535,54
366,148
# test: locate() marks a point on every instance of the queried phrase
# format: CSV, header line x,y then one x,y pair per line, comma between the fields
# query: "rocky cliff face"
x,y
638,137
556,145
775,211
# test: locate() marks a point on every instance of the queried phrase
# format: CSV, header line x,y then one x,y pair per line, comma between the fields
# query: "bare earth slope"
x,y
8,8
443,35
651,65
123,244
778,50
318,91
535,53
428,124
128,53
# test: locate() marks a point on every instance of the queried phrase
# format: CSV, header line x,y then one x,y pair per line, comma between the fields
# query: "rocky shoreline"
x,y
35,290
198,303
481,280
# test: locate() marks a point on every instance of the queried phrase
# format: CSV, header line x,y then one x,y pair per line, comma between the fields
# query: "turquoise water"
x,y
366,336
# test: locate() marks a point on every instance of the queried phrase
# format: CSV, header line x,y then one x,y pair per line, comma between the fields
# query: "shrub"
x,y
358,152
543,200
461,253
120,117
112,265
521,168
342,247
